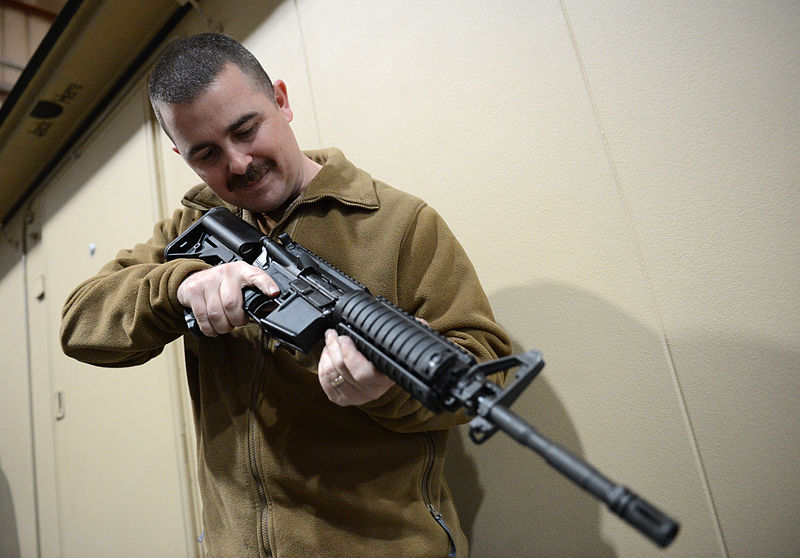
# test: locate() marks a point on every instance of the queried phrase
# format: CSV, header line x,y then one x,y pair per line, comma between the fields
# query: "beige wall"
x,y
624,176
17,498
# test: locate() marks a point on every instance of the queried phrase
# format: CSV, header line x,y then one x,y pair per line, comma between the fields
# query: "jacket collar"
x,y
338,179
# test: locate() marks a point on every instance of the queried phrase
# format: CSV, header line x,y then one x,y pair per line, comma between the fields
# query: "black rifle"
x,y
315,296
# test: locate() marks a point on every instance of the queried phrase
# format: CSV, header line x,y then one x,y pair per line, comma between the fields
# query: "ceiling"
x,y
93,48
44,7
18,45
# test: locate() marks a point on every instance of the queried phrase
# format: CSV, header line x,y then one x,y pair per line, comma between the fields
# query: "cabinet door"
x,y
118,455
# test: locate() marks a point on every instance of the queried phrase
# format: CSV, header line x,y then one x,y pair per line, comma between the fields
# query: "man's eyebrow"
x,y
196,149
242,119
238,123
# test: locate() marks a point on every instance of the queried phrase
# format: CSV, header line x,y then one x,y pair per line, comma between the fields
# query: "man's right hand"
x,y
215,295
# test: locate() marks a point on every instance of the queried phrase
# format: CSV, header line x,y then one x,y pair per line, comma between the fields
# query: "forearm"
x,y
127,313
125,317
439,284
397,410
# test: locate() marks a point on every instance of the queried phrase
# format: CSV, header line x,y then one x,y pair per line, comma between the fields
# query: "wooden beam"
x,y
29,9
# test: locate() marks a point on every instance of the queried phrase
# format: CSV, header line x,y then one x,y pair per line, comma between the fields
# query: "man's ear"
x,y
282,99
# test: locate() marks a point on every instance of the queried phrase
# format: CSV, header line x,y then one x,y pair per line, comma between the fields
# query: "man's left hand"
x,y
346,376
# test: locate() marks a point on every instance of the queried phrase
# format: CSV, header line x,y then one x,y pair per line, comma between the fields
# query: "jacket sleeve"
x,y
437,282
127,313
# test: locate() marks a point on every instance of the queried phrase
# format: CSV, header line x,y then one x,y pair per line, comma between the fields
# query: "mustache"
x,y
255,171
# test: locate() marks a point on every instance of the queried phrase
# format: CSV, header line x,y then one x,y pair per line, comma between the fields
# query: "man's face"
x,y
238,141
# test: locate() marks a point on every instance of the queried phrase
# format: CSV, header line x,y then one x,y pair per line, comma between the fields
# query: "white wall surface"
x,y
17,498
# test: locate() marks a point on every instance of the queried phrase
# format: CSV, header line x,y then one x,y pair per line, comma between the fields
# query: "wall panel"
x,y
17,483
117,438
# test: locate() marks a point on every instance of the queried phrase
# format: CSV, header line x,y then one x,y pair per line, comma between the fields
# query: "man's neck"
x,y
310,169
269,220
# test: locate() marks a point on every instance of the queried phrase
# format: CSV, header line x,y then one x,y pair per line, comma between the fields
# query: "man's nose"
x,y
238,161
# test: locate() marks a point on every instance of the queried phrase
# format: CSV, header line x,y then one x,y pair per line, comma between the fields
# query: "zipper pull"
x,y
440,520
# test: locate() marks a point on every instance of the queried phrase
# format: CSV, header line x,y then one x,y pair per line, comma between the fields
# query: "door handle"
x,y
60,412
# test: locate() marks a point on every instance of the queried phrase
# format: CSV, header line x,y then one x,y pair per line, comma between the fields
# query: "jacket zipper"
x,y
264,509
430,448
263,505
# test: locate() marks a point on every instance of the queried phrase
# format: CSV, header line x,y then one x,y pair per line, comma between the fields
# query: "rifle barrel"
x,y
646,518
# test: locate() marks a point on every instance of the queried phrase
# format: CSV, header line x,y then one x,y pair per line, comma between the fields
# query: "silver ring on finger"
x,y
337,381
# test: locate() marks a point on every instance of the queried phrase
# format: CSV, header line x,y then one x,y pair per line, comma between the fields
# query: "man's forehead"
x,y
190,121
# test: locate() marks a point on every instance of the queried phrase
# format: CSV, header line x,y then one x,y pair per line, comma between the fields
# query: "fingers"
x,y
215,295
345,374
334,376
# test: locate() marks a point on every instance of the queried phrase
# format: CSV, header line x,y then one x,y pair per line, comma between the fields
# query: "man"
x,y
299,455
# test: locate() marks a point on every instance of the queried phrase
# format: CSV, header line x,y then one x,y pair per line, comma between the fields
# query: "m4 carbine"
x,y
315,296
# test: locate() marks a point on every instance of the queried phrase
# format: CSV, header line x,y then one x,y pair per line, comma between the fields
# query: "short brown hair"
x,y
189,65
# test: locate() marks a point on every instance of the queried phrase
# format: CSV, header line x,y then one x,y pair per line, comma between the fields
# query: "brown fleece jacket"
x,y
283,471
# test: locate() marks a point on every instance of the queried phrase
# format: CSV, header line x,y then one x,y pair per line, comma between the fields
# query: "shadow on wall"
x,y
9,540
742,395
240,27
511,502
526,511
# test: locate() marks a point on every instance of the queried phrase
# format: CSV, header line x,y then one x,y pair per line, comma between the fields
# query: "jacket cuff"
x,y
181,269
388,400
